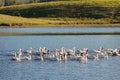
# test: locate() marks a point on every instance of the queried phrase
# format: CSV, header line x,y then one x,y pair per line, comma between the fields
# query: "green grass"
x,y
67,8
12,21
62,13
6,20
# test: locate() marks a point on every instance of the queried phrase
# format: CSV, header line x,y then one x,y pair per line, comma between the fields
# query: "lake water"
x,y
53,70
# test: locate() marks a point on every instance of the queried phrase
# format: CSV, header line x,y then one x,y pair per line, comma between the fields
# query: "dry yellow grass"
x,y
13,21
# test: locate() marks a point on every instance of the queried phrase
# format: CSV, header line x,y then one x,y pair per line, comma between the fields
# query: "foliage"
x,y
1,3
11,2
17,2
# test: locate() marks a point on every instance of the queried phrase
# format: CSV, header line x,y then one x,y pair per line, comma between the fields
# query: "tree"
x,y
12,2
2,2
34,1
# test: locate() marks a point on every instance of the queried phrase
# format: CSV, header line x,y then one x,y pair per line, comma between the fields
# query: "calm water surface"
x,y
62,30
53,70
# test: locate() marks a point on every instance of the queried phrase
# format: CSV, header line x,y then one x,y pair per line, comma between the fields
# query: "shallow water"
x,y
53,70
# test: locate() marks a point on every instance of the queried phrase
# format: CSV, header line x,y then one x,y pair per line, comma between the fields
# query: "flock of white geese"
x,y
63,54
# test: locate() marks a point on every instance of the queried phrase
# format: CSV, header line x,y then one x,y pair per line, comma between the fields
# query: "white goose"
x,y
96,57
65,56
117,52
16,58
57,54
41,57
84,58
28,57
20,51
72,53
106,55
29,51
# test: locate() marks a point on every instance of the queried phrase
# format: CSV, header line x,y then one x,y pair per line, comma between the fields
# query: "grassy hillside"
x,y
63,13
12,21
67,8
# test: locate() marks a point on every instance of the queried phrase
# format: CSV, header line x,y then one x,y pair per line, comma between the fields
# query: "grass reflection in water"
x,y
71,33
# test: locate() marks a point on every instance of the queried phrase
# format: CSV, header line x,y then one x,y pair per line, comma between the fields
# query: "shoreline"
x,y
63,26
8,21
90,13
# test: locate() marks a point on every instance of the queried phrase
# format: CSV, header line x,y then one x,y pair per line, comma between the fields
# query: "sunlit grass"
x,y
66,8
19,21
6,20
102,3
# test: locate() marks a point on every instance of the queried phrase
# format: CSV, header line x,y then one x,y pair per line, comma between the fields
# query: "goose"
x,y
29,51
110,51
60,57
63,54
84,58
62,51
57,54
20,52
96,57
71,51
15,55
40,49
28,57
44,50
106,55
57,57
65,57
118,53
16,58
41,57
